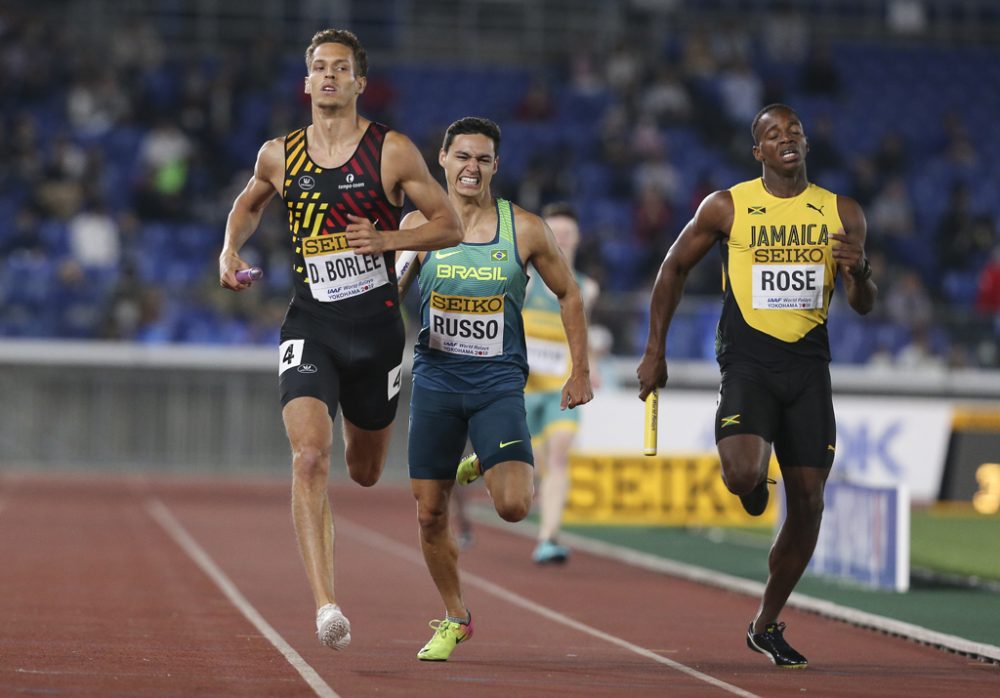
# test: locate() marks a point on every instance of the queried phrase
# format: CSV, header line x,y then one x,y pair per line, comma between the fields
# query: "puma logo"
x,y
816,208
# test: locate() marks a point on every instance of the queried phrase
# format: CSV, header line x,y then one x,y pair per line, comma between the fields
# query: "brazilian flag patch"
x,y
498,255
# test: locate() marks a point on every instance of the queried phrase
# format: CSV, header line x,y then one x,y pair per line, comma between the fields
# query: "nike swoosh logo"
x,y
505,444
449,253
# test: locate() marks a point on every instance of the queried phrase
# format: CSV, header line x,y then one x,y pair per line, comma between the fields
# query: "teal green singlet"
x,y
472,335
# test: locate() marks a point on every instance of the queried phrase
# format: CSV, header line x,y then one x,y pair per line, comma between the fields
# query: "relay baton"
x,y
652,416
403,262
246,276
405,270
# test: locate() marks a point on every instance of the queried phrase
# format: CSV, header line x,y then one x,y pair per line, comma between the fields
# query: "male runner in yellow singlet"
x,y
552,429
784,242
343,180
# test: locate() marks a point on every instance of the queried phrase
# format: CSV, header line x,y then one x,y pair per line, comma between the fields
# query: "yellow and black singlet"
x,y
330,279
778,276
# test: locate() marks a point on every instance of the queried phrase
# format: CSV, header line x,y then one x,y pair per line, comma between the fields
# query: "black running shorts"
x,y
792,409
357,365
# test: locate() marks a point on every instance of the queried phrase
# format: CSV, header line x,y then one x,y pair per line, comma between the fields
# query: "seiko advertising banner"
x,y
881,441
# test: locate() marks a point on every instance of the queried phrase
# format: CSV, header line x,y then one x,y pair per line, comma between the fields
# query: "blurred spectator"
x,y
93,237
544,180
536,103
697,60
666,99
919,352
961,151
907,17
703,186
730,43
651,216
892,211
60,191
164,154
154,325
988,288
584,78
164,146
786,34
96,102
742,92
136,46
824,155
956,146
865,182
890,157
646,137
819,73
656,173
615,153
962,238
908,304
123,312
623,68
25,237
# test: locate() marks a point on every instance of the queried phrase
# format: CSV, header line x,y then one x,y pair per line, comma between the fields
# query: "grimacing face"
x,y
469,164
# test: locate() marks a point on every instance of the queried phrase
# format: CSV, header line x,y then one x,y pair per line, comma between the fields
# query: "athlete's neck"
x,y
785,186
478,215
333,130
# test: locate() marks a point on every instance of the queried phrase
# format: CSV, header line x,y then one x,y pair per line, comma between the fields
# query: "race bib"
x,y
290,354
788,286
466,325
546,357
336,273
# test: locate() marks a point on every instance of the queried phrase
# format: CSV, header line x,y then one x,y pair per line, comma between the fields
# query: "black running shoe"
x,y
772,643
756,501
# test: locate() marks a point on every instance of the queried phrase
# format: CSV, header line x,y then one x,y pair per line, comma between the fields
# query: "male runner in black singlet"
x,y
784,241
343,179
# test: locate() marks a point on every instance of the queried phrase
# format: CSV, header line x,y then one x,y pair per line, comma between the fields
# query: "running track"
x,y
138,587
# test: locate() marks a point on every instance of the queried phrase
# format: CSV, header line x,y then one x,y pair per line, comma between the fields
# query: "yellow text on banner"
x,y
672,490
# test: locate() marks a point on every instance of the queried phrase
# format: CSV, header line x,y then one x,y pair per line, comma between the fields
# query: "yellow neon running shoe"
x,y
468,470
447,634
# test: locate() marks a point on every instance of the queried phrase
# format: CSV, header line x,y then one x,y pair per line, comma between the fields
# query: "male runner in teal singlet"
x,y
470,362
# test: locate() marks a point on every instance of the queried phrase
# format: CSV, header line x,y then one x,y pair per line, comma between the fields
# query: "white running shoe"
x,y
332,627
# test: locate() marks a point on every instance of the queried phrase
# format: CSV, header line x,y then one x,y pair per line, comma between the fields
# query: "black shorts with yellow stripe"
x,y
790,408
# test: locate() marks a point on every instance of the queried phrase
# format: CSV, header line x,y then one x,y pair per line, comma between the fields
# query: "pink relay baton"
x,y
246,276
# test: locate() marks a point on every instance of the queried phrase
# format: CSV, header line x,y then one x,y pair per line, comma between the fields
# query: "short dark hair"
x,y
760,115
560,208
473,124
340,36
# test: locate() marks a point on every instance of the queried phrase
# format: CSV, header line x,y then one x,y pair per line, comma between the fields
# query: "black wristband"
x,y
865,273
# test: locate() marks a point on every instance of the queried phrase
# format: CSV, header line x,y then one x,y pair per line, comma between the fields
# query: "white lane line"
x,y
377,540
721,580
175,530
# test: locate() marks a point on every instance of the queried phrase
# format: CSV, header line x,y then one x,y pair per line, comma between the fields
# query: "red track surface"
x,y
98,599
